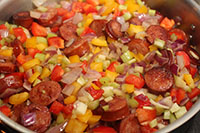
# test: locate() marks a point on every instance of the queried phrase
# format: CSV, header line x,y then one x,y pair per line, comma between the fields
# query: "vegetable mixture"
x,y
96,66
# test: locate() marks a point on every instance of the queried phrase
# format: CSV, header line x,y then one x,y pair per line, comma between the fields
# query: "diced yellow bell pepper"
x,y
74,59
132,6
133,29
6,52
77,88
159,98
138,56
97,49
59,58
88,21
84,118
97,66
75,126
95,86
143,9
99,42
128,88
189,80
33,77
102,1
31,42
31,63
18,98
41,46
110,40
111,75
45,73
110,6
94,119
70,99
152,48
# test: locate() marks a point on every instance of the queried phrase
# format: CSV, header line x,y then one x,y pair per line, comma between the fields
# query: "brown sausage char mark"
x,y
45,92
159,79
7,67
156,31
98,27
113,29
138,45
17,47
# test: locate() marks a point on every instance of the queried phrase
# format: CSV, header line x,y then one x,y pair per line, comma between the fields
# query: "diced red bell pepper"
x,y
173,94
56,41
33,51
3,27
188,105
142,100
112,66
103,74
38,30
19,33
121,2
147,129
5,110
193,70
61,11
78,6
181,94
167,23
89,9
97,83
145,115
185,57
68,15
96,94
19,74
54,29
84,66
56,107
103,129
87,31
68,109
21,59
117,13
195,92
57,73
138,82
93,2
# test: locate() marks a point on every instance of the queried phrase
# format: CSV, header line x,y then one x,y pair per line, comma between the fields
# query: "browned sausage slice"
x,y
98,27
17,47
159,79
79,47
130,125
42,117
7,67
45,92
135,21
139,46
113,29
23,18
68,31
179,33
118,109
156,31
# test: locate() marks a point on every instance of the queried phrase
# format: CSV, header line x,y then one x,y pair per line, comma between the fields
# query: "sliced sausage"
x,y
156,31
159,79
139,46
68,31
118,109
179,33
17,47
193,54
135,21
15,116
45,92
11,81
113,29
22,18
7,67
42,117
79,47
130,125
98,26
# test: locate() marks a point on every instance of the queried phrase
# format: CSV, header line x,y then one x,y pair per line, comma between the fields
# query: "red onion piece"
x,y
92,74
184,101
74,65
120,78
71,76
125,39
161,60
28,119
174,69
27,85
78,17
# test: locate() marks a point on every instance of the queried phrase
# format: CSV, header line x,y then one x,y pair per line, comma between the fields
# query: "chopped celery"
x,y
37,69
21,69
86,57
106,107
140,2
167,94
131,101
198,86
119,68
37,81
65,61
127,16
40,56
106,63
80,30
81,80
127,56
42,9
172,118
181,112
173,37
113,84
60,118
41,40
166,115
148,107
108,99
93,105
2,42
175,107
132,61
104,80
153,123
98,7
136,74
80,107
51,35
159,43
159,110
108,91
139,69
179,82
124,48
122,7
1,102
151,96
80,25
53,60
160,125
118,92
152,12
158,53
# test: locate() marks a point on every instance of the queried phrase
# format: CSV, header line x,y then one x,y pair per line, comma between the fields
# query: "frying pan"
x,y
185,11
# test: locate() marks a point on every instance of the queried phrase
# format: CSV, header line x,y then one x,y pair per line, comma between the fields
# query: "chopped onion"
x,y
58,128
28,119
158,104
73,65
161,60
27,85
68,90
4,33
78,17
35,14
184,101
65,4
109,17
167,101
38,3
92,74
71,76
121,20
174,69
70,42
124,27
180,62
120,78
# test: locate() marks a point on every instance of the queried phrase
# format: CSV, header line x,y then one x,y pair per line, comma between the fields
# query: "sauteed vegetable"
x,y
96,66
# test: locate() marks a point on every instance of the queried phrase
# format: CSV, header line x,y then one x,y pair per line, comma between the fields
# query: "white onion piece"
x,y
38,3
78,17
35,14
70,42
68,90
121,20
27,85
4,33
125,27
180,62
158,104
92,74
73,65
71,76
